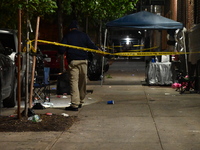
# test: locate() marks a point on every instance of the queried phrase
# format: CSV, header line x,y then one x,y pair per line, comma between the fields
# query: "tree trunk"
x,y
19,64
60,31
60,20
100,32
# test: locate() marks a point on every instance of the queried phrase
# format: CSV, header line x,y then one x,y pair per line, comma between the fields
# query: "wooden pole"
x,y
19,66
34,63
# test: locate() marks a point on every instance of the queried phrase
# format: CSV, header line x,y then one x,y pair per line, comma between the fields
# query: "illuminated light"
x,y
127,41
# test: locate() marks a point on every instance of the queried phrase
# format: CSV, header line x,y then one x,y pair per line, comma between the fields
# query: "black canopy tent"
x,y
142,20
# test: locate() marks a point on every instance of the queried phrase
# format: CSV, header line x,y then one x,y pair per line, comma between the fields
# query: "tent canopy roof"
x,y
145,20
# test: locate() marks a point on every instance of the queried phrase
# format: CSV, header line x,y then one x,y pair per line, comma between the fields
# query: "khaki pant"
x,y
78,81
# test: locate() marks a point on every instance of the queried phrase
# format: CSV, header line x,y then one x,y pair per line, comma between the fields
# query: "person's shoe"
x,y
71,108
80,105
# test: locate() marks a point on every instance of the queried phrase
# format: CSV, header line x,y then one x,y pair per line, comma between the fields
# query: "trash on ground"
x,y
64,95
110,102
65,115
109,76
49,114
48,104
35,118
38,106
47,98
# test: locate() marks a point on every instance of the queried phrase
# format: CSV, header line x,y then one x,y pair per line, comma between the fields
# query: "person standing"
x,y
77,60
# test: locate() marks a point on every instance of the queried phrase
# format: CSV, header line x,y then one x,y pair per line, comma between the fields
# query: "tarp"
x,y
145,20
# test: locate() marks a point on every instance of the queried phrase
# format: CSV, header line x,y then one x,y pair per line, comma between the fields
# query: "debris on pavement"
x,y
49,114
167,93
109,76
110,102
35,118
64,95
47,104
65,115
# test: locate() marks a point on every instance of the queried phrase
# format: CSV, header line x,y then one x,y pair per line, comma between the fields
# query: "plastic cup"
x,y
110,102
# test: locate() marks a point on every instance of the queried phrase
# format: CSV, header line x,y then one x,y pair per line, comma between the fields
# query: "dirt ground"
x,y
42,122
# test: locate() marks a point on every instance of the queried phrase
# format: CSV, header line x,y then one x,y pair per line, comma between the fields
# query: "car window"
x,y
7,40
1,48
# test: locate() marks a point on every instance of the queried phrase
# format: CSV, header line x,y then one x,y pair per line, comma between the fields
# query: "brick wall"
x,y
181,11
189,14
196,11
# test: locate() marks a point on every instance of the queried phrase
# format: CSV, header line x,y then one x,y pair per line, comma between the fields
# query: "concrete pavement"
x,y
142,118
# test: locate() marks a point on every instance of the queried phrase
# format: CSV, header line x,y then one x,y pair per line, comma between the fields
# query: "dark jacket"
x,y
76,38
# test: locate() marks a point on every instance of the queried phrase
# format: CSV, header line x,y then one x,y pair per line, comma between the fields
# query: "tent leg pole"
x,y
103,59
186,60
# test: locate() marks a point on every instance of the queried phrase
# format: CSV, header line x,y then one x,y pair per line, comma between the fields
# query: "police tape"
x,y
139,50
138,45
144,49
112,47
76,47
147,53
95,51
122,46
114,54
30,46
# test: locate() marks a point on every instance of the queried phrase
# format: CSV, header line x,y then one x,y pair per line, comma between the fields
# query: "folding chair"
x,y
42,85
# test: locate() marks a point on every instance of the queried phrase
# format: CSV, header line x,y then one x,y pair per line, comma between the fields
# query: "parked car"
x,y
8,82
52,58
95,66
9,38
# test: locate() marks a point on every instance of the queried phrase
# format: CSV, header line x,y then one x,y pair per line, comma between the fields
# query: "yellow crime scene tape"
x,y
111,47
106,53
148,53
76,47
137,45
144,49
